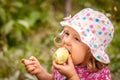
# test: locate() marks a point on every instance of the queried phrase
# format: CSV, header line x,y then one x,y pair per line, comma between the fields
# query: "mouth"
x,y
68,50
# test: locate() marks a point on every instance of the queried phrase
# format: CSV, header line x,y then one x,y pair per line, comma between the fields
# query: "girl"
x,y
86,36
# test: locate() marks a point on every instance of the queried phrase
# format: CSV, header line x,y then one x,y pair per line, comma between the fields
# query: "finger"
x,y
23,60
30,69
57,66
32,58
27,62
34,71
29,66
70,60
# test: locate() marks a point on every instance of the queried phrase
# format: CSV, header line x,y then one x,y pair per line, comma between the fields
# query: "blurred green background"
x,y
28,27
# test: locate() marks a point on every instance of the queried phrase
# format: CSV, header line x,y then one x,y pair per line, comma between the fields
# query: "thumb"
x,y
70,62
32,58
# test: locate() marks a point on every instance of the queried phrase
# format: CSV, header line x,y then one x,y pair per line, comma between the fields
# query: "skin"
x,y
33,66
77,49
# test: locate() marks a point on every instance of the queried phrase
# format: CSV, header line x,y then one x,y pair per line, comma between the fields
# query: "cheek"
x,y
78,58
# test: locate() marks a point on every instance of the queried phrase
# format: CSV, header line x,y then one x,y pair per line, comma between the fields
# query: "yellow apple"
x,y
61,55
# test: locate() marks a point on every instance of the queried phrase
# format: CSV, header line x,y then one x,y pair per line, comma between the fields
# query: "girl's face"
x,y
77,49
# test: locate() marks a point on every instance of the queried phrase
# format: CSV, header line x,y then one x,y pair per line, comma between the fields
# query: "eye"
x,y
66,33
77,39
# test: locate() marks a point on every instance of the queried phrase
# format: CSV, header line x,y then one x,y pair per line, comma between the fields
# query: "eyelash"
x,y
66,33
77,39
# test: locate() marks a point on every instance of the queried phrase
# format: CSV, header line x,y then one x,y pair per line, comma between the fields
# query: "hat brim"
x,y
100,56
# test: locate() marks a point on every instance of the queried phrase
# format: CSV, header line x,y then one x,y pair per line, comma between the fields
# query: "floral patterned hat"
x,y
95,30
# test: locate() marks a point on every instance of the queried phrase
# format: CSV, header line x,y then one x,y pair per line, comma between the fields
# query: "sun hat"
x,y
95,30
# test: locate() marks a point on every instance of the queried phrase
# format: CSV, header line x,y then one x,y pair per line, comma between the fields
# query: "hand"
x,y
68,70
33,66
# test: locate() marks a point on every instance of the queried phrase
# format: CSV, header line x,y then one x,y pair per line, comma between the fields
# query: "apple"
x,y
61,55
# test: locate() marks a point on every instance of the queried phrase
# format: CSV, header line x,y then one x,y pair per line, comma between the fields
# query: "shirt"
x,y
85,74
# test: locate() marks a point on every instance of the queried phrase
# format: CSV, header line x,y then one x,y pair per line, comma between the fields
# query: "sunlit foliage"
x,y
28,27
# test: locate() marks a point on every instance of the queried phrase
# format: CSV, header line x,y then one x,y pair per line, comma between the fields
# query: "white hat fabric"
x,y
95,30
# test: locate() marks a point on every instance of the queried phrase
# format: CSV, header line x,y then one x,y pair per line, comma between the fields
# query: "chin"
x,y
78,63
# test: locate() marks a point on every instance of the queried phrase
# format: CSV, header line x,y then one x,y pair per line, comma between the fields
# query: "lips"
x,y
68,50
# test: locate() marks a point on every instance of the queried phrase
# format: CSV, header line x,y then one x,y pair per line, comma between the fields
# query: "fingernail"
x,y
31,58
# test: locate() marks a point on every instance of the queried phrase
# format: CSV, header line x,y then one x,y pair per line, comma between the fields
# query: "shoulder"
x,y
104,70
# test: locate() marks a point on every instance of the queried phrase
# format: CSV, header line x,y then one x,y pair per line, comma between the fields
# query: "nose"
x,y
67,41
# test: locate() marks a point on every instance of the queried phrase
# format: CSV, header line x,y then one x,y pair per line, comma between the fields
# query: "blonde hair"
x,y
93,64
58,41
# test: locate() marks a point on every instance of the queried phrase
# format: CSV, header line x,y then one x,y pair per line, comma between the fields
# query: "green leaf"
x,y
34,16
24,23
8,27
